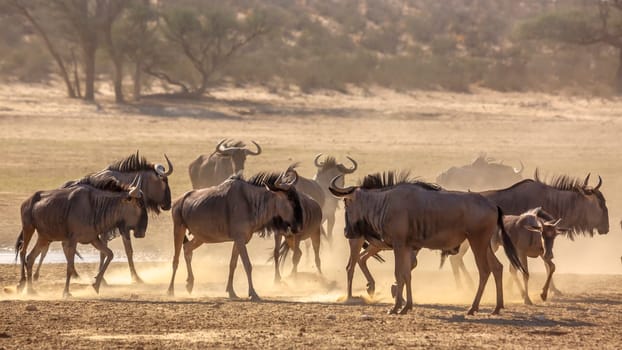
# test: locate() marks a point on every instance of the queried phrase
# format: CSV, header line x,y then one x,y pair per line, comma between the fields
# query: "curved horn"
x,y
170,166
218,146
519,171
345,170
135,187
553,223
337,191
587,178
600,182
251,153
159,168
315,161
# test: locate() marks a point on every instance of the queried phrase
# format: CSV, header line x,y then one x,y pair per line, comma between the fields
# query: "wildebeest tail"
x,y
283,251
19,244
508,246
376,256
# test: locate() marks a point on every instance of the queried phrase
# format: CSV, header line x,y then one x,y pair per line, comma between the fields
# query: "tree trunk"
x,y
51,48
118,81
137,80
619,72
89,71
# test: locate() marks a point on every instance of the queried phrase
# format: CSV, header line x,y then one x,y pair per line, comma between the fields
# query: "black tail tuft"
x,y
19,244
508,246
283,251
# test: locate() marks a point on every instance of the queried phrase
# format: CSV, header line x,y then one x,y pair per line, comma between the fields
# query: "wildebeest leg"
x,y
179,233
365,255
457,265
294,245
480,248
129,253
330,224
355,250
232,265
405,270
102,260
246,262
523,261
30,261
275,254
315,242
549,277
27,233
552,284
400,278
103,249
497,273
44,252
69,248
189,247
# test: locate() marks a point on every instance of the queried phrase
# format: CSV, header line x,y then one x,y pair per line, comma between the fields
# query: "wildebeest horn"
x,y
522,166
600,182
218,146
159,168
318,164
345,170
249,152
553,223
337,191
587,178
135,187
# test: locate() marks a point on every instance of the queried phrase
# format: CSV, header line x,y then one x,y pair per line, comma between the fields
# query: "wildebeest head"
x,y
237,152
154,179
550,230
286,200
329,169
134,211
597,214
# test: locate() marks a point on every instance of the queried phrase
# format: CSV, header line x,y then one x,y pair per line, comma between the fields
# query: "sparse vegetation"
x,y
187,47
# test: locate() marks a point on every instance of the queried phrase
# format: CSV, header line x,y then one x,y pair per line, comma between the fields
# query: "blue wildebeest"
x,y
533,235
311,229
392,210
83,213
233,211
326,171
227,159
153,185
482,174
581,208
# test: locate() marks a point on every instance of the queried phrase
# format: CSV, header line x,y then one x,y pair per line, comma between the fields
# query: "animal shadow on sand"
x,y
515,320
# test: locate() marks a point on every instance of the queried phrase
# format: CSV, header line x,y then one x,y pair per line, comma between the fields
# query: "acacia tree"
x,y
596,24
208,38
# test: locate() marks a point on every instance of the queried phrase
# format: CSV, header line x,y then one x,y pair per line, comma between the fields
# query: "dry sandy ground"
x,y
46,139
142,316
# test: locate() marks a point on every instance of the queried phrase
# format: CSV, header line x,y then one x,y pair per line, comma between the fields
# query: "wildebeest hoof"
x,y
189,287
96,287
472,311
233,296
528,301
67,295
73,275
137,280
543,296
170,292
35,277
392,311
255,297
496,311
405,310
371,290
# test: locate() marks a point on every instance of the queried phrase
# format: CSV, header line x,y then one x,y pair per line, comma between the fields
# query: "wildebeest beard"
x,y
360,228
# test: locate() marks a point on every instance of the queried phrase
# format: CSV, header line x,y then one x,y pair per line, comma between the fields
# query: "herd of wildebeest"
x,y
385,211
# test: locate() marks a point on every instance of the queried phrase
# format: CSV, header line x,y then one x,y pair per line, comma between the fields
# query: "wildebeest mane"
x,y
105,184
261,179
562,182
133,162
393,178
329,162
